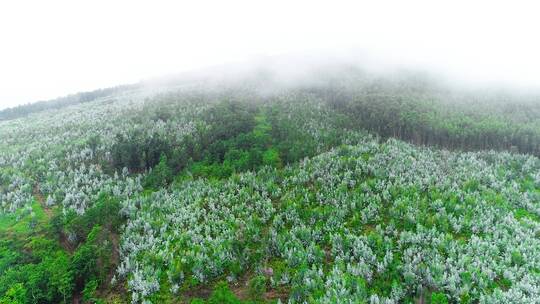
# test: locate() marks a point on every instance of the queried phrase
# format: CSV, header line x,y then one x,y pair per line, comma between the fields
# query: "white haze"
x,y
53,48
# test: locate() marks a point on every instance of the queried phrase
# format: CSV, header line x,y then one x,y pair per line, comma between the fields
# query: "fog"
x,y
55,48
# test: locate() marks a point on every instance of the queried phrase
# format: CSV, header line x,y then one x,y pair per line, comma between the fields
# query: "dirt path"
x,y
62,238
41,200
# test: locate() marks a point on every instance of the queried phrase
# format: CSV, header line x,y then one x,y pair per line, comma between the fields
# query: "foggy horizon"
x,y
58,48
294,68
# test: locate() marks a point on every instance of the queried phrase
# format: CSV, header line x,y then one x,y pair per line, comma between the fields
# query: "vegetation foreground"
x,y
222,194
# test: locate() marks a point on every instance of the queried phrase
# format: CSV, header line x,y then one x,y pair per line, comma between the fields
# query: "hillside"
x,y
337,186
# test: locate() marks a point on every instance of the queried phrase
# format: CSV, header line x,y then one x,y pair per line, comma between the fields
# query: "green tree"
x,y
439,298
271,158
257,287
161,174
16,294
61,275
223,295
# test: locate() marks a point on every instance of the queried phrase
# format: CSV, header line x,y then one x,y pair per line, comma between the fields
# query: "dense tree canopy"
x,y
349,187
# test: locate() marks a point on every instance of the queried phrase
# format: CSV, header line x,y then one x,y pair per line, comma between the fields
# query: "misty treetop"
x,y
255,191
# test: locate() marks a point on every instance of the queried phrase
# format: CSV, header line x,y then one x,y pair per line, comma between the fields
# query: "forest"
x,y
345,187
73,99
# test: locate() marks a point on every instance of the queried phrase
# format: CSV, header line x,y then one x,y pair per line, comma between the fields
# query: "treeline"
x,y
426,123
423,112
231,136
57,103
221,127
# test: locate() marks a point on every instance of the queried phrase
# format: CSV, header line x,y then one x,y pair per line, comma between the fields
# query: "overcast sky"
x,y
52,48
